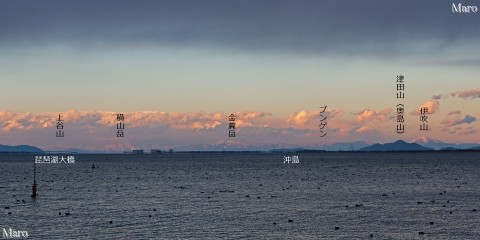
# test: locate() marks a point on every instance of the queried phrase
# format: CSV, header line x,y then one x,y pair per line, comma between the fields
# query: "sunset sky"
x,y
177,69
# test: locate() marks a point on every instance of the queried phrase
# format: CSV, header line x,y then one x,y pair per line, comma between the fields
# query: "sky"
x,y
178,69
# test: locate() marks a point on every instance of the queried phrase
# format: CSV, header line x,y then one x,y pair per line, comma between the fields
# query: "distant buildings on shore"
x,y
137,152
158,151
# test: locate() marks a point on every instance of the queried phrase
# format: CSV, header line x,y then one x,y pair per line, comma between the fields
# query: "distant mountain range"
x,y
20,148
439,145
239,146
399,145
419,144
218,146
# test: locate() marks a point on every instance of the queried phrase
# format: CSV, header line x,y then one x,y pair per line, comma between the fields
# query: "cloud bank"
x,y
316,27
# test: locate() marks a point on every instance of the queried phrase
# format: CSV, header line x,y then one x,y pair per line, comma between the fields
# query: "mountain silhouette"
x,y
20,148
399,145
439,145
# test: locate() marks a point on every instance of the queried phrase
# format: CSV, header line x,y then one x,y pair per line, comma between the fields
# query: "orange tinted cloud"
x,y
189,120
248,118
372,115
302,118
468,94
310,119
364,129
455,112
432,105
11,120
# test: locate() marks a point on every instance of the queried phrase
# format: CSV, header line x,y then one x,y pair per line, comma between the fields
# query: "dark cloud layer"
x,y
468,119
340,27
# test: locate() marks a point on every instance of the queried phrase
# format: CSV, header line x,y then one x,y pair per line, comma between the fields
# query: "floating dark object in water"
x,y
337,228
223,191
93,165
67,213
59,213
110,222
7,207
274,223
23,201
421,233
419,202
154,210
290,220
149,216
358,205
371,235
474,210
384,194
9,213
431,223
247,196
451,212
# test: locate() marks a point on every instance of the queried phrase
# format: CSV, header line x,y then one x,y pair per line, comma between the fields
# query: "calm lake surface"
x,y
244,196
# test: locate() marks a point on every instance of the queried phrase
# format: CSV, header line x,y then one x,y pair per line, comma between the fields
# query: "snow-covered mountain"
x,y
437,144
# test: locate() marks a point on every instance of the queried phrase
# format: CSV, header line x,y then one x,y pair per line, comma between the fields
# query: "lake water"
x,y
245,196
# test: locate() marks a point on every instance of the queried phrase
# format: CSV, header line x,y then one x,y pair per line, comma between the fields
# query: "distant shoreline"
x,y
243,152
